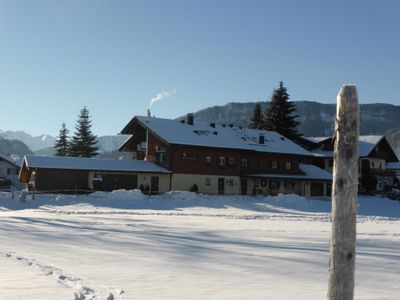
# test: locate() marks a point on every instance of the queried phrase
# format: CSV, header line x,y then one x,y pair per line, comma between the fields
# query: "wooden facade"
x,y
218,170
375,153
80,175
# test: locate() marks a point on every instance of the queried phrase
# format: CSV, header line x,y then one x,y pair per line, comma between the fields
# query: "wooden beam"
x,y
344,196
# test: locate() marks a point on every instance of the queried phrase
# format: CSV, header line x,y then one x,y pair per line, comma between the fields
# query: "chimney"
x,y
189,119
148,113
261,139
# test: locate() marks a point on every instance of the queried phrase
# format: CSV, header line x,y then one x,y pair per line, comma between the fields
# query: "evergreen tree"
x,y
257,119
84,142
61,144
279,116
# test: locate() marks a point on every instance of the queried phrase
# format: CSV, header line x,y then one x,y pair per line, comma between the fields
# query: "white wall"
x,y
5,168
207,184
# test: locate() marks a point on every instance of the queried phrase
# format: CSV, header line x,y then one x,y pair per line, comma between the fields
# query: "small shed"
x,y
75,174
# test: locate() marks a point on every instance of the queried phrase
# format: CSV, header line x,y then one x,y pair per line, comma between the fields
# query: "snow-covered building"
x,y
377,158
224,159
9,169
76,174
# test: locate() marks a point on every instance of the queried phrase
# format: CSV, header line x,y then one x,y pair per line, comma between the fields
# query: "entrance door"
x,y
244,186
154,185
221,186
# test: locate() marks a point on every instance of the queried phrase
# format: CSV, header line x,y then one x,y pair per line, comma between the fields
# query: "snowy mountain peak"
x,y
33,142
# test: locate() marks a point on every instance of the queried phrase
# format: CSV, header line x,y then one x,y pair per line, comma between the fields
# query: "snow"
x,y
202,134
179,245
11,160
366,144
79,163
317,139
393,166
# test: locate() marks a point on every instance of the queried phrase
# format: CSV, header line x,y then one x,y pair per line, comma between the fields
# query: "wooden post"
x,y
344,196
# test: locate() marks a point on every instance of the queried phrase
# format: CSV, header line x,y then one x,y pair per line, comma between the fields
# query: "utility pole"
x,y
344,196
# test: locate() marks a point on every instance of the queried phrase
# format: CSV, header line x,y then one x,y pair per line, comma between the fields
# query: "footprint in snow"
x,y
82,293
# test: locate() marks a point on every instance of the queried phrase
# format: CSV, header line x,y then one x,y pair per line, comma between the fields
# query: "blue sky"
x,y
115,56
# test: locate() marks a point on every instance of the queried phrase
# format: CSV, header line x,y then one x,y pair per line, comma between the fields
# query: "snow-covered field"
x,y
124,245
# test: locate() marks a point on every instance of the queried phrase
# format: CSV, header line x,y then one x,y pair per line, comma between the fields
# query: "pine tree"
x,y
84,142
61,144
279,116
257,119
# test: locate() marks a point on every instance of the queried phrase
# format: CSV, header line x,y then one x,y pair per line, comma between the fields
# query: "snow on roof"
x,y
393,166
322,153
10,160
311,172
366,144
92,164
317,139
203,134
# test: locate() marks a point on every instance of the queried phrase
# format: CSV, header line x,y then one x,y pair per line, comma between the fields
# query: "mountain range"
x,y
22,143
316,119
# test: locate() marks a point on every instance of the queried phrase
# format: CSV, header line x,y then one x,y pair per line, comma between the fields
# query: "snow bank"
x,y
135,200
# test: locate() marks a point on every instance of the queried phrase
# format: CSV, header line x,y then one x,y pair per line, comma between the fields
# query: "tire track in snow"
x,y
82,292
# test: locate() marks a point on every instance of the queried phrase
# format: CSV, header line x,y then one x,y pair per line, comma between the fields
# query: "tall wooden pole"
x,y
344,196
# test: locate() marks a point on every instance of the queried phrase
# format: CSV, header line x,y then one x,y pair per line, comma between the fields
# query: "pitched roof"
x,y
366,144
92,164
10,160
203,134
311,172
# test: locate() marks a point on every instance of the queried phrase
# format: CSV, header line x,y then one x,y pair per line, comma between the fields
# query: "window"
x,y
244,163
97,178
16,172
221,161
161,159
8,171
208,181
288,165
231,161
274,165
208,159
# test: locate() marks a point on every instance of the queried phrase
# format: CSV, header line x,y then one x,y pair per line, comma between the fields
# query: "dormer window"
x,y
208,159
288,165
274,164
221,161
